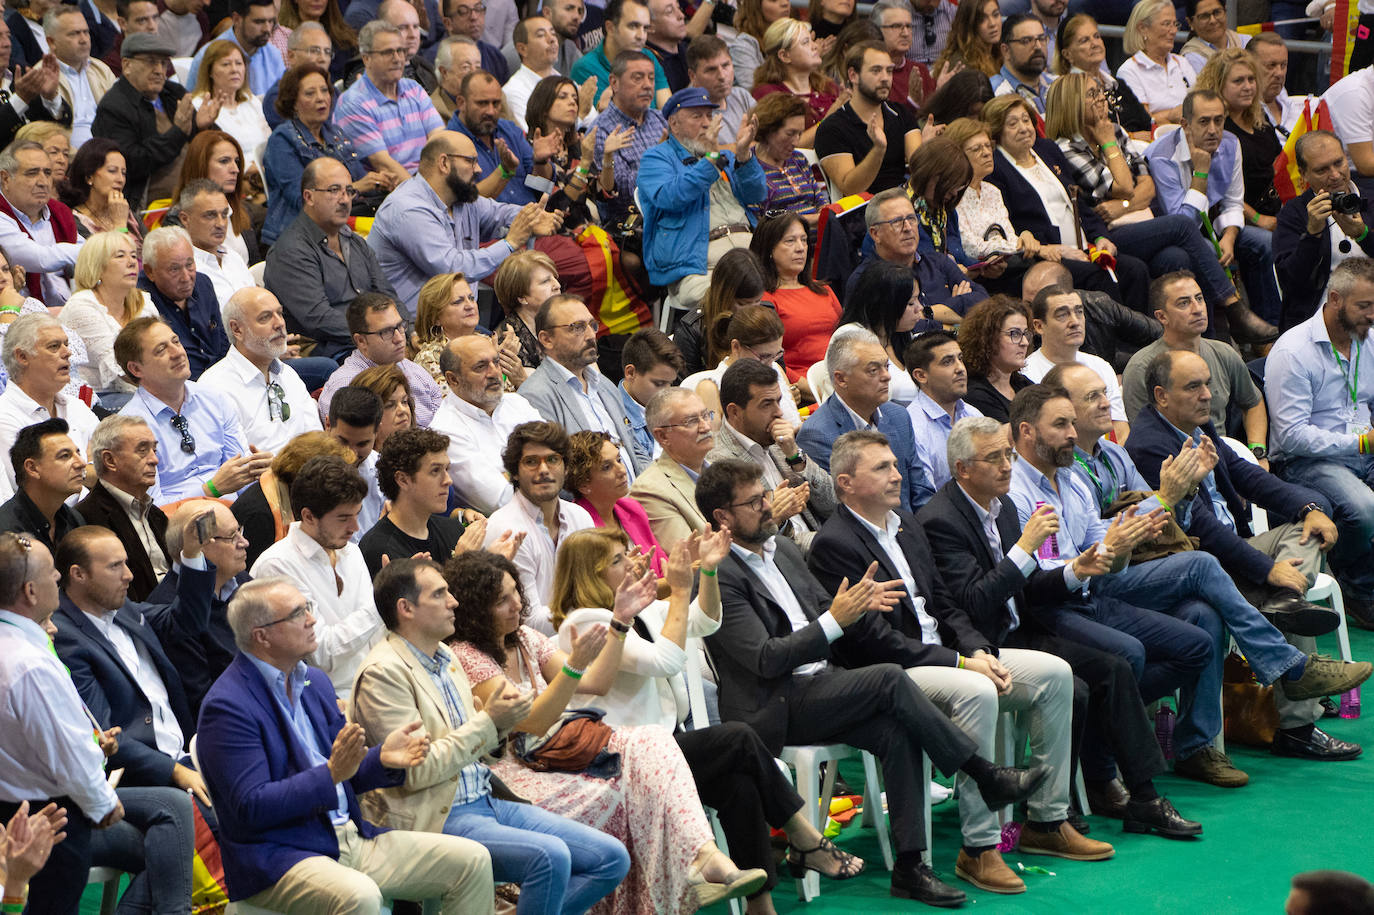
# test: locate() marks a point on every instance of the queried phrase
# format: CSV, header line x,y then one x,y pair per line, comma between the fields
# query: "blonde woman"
x,y
56,141
1158,77
792,64
1081,48
107,298
447,309
223,75
525,281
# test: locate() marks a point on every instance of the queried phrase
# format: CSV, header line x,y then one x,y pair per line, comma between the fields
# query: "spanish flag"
x,y
1315,116
1345,22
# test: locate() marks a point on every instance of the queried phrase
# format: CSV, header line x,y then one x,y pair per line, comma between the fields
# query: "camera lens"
x,y
1346,203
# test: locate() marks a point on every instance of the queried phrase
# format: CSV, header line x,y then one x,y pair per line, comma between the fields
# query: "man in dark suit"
x,y
777,672
987,561
1274,569
971,681
287,770
124,452
858,367
36,87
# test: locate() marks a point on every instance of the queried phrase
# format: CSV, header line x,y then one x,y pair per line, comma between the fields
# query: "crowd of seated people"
x,y
403,407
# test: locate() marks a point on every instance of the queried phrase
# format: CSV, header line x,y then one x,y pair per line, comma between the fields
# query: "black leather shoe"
x,y
1289,612
1159,816
1317,745
1108,799
924,885
1079,822
1359,611
1329,707
1006,786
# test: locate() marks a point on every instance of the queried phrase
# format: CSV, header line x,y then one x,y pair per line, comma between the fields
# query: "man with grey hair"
x,y
82,81
959,668
123,451
308,43
685,430
37,232
284,855
273,403
184,295
859,370
388,117
418,67
38,360
457,56
893,19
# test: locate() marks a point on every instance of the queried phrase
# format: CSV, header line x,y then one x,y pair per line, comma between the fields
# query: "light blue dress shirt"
x,y
1024,561
1108,471
1080,524
1312,411
212,422
932,425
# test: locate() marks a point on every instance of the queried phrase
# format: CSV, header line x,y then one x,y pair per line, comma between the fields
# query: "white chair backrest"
x,y
696,693
818,376
256,271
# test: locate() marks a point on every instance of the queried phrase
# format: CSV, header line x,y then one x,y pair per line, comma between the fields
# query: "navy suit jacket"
x,y
200,647
199,326
111,691
981,583
273,804
1023,202
1153,438
845,548
831,420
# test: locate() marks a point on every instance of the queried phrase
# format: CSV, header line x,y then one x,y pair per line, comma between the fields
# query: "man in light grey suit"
x,y
755,430
680,423
567,388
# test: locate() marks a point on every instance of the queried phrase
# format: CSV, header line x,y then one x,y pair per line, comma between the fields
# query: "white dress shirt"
x,y
535,557
347,624
475,442
18,409
228,273
139,663
1038,366
48,750
887,540
38,251
137,512
262,422
772,578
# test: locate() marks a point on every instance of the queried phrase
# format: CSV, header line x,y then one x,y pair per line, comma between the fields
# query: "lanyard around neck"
x,y
1105,497
1352,387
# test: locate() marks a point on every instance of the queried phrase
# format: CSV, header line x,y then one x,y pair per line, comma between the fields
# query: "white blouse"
x,y
650,687
85,316
1053,196
982,213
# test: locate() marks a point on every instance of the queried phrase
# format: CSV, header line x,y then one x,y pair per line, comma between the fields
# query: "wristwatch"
x,y
1259,451
1308,509
796,460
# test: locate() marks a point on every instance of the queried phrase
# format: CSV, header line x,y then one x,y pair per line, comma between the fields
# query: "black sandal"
x,y
850,865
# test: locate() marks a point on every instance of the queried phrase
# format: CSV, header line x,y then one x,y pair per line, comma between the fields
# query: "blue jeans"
x,y
314,370
1346,483
561,865
1173,242
155,842
1255,262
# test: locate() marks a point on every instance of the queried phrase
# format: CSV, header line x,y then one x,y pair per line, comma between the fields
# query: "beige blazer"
x,y
97,74
390,690
669,499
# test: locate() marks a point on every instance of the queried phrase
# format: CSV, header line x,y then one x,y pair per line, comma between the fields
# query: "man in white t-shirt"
x,y
537,44
1058,318
1351,103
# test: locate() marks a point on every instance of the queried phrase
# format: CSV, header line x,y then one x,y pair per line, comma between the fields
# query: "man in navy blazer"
x,y
1273,570
286,769
858,367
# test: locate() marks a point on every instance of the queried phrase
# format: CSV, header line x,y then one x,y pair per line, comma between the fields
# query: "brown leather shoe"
x,y
1067,842
988,872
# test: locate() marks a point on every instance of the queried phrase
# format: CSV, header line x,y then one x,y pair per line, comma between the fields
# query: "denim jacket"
x,y
290,148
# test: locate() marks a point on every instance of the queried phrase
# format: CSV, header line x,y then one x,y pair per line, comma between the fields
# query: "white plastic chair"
x,y
108,879
1009,745
818,377
696,701
256,271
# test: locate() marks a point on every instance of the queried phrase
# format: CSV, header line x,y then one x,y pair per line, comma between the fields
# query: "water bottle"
x,y
1164,730
1350,703
1050,548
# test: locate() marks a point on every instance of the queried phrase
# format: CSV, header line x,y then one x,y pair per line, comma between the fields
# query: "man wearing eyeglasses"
x,y
379,332
685,430
1025,59
272,402
893,19
309,43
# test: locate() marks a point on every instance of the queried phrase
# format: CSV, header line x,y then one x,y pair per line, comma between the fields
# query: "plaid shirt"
x,y
474,779
627,158
1091,173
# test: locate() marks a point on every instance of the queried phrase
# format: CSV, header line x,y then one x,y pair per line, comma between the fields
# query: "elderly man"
x,y
419,66
1197,170
456,57
272,402
1025,56
568,388
694,213
626,29
858,367
945,294
478,418
184,295
84,81
1280,109
537,44
291,831
682,426
37,232
379,333
309,43
49,470
627,128
200,441
388,117
667,39
36,356
151,118
253,22
123,451
1313,235
894,21
709,67
33,94
319,264
866,144
437,222
505,158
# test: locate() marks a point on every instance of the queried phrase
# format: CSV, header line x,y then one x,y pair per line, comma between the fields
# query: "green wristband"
x,y
506,173
210,487
573,672
709,573
1202,175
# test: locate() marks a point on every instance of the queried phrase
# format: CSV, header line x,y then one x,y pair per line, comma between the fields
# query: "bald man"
x,y
437,221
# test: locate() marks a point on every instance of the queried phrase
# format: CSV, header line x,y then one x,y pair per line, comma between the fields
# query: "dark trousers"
x,y
879,709
57,888
737,776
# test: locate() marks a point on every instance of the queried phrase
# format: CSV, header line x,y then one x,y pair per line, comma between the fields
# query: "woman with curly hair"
x,y
975,40
752,19
737,280
733,770
995,338
651,803
598,477
808,308
792,65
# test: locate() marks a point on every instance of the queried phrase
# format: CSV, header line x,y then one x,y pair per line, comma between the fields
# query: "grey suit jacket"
x,y
556,402
819,507
669,498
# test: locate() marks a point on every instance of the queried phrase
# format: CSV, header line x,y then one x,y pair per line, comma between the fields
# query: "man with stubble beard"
x,y
437,223
504,155
865,145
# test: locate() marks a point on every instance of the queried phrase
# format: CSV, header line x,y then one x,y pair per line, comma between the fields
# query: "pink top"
x,y
635,522
481,667
808,321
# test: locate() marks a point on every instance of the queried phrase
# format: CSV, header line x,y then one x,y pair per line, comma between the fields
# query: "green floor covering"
x,y
1293,816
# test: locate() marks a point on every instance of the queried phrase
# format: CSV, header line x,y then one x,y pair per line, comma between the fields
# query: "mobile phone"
x,y
205,526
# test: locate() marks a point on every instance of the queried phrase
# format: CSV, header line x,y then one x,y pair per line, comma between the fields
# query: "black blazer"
x,y
979,584
128,118
99,507
1024,204
845,548
11,120
1303,262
